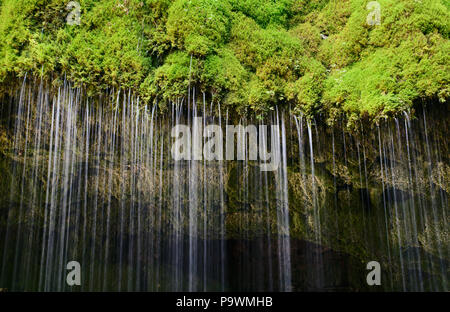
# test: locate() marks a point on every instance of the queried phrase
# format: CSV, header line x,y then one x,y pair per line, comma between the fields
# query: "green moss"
x,y
198,26
315,56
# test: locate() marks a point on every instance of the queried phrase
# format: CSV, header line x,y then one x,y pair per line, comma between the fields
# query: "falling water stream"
x,y
92,179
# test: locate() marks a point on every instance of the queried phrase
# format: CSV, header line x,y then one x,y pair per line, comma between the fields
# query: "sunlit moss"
x,y
318,57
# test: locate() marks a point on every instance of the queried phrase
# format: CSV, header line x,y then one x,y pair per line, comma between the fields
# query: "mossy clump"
x,y
316,57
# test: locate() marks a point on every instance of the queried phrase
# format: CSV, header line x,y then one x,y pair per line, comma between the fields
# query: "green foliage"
x,y
174,77
105,50
198,26
265,12
223,72
307,90
317,56
386,68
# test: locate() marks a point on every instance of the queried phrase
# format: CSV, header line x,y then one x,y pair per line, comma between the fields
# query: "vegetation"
x,y
314,56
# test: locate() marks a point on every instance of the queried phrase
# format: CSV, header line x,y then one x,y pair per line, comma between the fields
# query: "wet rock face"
x,y
98,184
315,267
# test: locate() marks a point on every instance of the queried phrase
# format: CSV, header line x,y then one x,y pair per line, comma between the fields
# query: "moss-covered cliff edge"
x,y
315,57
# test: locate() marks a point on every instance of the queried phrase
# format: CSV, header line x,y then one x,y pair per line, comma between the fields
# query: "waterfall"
x,y
92,179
